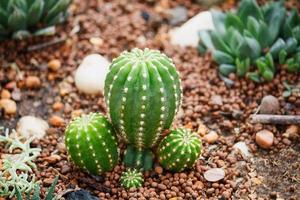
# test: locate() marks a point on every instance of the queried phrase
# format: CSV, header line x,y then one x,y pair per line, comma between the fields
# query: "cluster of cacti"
x,y
247,41
179,150
132,178
142,92
22,18
92,144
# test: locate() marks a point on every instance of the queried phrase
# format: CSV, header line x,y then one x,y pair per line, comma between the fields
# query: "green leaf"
x,y
17,20
291,21
276,47
270,62
291,45
35,12
249,8
206,40
222,57
261,65
282,56
49,4
46,31
287,93
21,34
264,35
21,4
219,21
253,26
3,17
233,20
18,193
36,193
254,76
3,4
249,48
218,43
226,69
51,191
268,75
59,7
234,38
242,66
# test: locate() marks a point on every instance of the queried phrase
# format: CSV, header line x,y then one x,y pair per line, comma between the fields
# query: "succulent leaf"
x,y
57,9
221,57
276,47
179,150
234,21
249,8
35,12
91,143
226,69
16,19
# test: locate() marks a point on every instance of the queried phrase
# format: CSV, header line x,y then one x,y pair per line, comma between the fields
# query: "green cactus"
x,y
143,94
179,150
91,143
131,179
22,18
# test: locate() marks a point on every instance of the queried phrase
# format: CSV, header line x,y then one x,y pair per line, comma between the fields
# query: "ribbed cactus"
x,y
21,18
92,144
179,150
131,179
142,92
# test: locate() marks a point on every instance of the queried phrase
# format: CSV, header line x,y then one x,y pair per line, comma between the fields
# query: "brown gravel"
x,y
209,104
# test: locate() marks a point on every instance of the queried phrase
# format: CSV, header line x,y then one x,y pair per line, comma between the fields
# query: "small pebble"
x,y
57,106
215,174
264,139
211,137
9,106
158,169
5,94
54,64
269,105
32,82
56,121
30,126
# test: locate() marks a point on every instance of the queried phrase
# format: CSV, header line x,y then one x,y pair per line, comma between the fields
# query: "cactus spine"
x,y
91,143
142,92
131,179
179,150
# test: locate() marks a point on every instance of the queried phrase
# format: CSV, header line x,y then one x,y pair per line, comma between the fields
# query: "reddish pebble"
x,y
264,139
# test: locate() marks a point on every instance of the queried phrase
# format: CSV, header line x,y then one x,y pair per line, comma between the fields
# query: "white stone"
x,y
187,34
243,148
91,73
30,126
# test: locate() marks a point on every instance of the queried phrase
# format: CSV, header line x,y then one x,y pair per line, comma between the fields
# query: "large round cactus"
x,y
92,144
142,92
179,150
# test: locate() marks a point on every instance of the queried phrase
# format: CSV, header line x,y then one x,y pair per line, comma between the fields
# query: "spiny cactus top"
x,y
92,144
142,91
179,150
131,179
17,17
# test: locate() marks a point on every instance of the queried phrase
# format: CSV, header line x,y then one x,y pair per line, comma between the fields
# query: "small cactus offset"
x,y
23,18
131,179
179,150
143,94
92,144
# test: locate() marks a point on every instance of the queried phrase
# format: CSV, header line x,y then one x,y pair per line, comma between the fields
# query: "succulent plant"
x,y
92,144
245,41
179,150
132,178
143,94
22,18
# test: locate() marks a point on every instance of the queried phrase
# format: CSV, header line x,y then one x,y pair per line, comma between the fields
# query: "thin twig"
x,y
46,44
275,119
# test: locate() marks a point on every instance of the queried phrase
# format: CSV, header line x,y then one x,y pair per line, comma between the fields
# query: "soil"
x,y
269,174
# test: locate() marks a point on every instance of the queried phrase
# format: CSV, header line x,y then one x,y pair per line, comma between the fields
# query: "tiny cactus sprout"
x,y
143,93
132,178
92,144
179,150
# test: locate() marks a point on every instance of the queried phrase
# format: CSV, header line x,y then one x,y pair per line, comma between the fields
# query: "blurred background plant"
x,y
17,165
254,40
23,18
